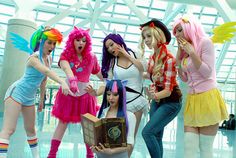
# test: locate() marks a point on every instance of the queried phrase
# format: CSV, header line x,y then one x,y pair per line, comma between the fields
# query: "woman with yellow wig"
x,y
164,91
20,96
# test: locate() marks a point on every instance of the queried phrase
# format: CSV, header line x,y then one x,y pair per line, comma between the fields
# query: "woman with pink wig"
x,y
78,62
205,107
20,96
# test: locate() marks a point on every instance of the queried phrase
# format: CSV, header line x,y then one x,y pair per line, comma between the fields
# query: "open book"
x,y
111,132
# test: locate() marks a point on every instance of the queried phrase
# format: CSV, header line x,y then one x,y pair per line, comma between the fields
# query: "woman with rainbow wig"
x,y
20,96
78,62
205,107
113,106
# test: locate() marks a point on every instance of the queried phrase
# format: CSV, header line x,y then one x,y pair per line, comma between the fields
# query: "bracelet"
x,y
155,97
179,66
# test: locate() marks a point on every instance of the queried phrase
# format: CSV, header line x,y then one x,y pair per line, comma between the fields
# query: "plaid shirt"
x,y
167,74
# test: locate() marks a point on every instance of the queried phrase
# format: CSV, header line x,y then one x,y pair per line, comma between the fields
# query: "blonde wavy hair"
x,y
158,35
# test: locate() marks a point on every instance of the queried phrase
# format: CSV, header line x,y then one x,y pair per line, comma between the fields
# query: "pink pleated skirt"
x,y
69,109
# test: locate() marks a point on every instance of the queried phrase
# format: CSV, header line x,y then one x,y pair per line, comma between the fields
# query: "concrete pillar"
x,y
14,60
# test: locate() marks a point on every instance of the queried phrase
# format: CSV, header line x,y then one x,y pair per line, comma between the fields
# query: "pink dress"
x,y
67,108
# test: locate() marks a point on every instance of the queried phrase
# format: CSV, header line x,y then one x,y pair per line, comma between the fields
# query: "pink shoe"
x,y
54,148
89,152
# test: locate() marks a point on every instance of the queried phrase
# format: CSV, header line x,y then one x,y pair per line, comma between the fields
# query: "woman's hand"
x,y
73,82
65,89
94,149
137,62
40,107
151,92
186,46
122,50
103,150
89,89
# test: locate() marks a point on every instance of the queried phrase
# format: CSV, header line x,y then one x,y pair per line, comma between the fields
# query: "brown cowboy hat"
x,y
160,25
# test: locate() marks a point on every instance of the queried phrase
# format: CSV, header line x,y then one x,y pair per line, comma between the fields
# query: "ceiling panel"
x,y
124,16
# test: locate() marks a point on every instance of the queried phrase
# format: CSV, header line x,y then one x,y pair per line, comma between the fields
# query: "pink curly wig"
x,y
193,31
78,33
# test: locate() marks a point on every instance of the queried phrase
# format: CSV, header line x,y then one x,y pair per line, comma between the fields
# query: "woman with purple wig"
x,y
78,62
120,62
114,105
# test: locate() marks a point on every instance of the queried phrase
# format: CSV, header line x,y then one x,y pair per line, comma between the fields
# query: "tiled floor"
x,y
73,147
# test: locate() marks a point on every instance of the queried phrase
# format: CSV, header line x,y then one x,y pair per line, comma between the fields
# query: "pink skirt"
x,y
68,109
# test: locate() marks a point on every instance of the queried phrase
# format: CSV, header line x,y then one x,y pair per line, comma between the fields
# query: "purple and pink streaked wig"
x,y
193,31
115,86
106,56
41,35
78,33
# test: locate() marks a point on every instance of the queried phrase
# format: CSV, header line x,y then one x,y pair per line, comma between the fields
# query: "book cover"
x,y
111,132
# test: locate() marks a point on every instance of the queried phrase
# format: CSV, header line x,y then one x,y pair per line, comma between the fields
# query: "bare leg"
x,y
209,130
29,124
60,130
138,116
29,120
11,113
203,138
56,139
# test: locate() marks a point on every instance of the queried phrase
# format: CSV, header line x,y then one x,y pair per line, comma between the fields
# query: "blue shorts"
x,y
24,96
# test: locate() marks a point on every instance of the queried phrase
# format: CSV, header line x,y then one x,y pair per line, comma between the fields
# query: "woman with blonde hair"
x,y
164,91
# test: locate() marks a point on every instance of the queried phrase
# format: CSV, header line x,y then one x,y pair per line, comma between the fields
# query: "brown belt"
x,y
175,96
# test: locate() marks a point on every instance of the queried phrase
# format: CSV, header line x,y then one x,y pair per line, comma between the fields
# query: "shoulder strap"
x,y
128,89
134,91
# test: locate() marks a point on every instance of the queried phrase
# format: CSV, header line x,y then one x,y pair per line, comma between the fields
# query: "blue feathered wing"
x,y
20,43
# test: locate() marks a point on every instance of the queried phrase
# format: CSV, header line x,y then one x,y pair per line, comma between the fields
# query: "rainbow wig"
x,y
117,87
41,35
107,57
78,33
193,31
